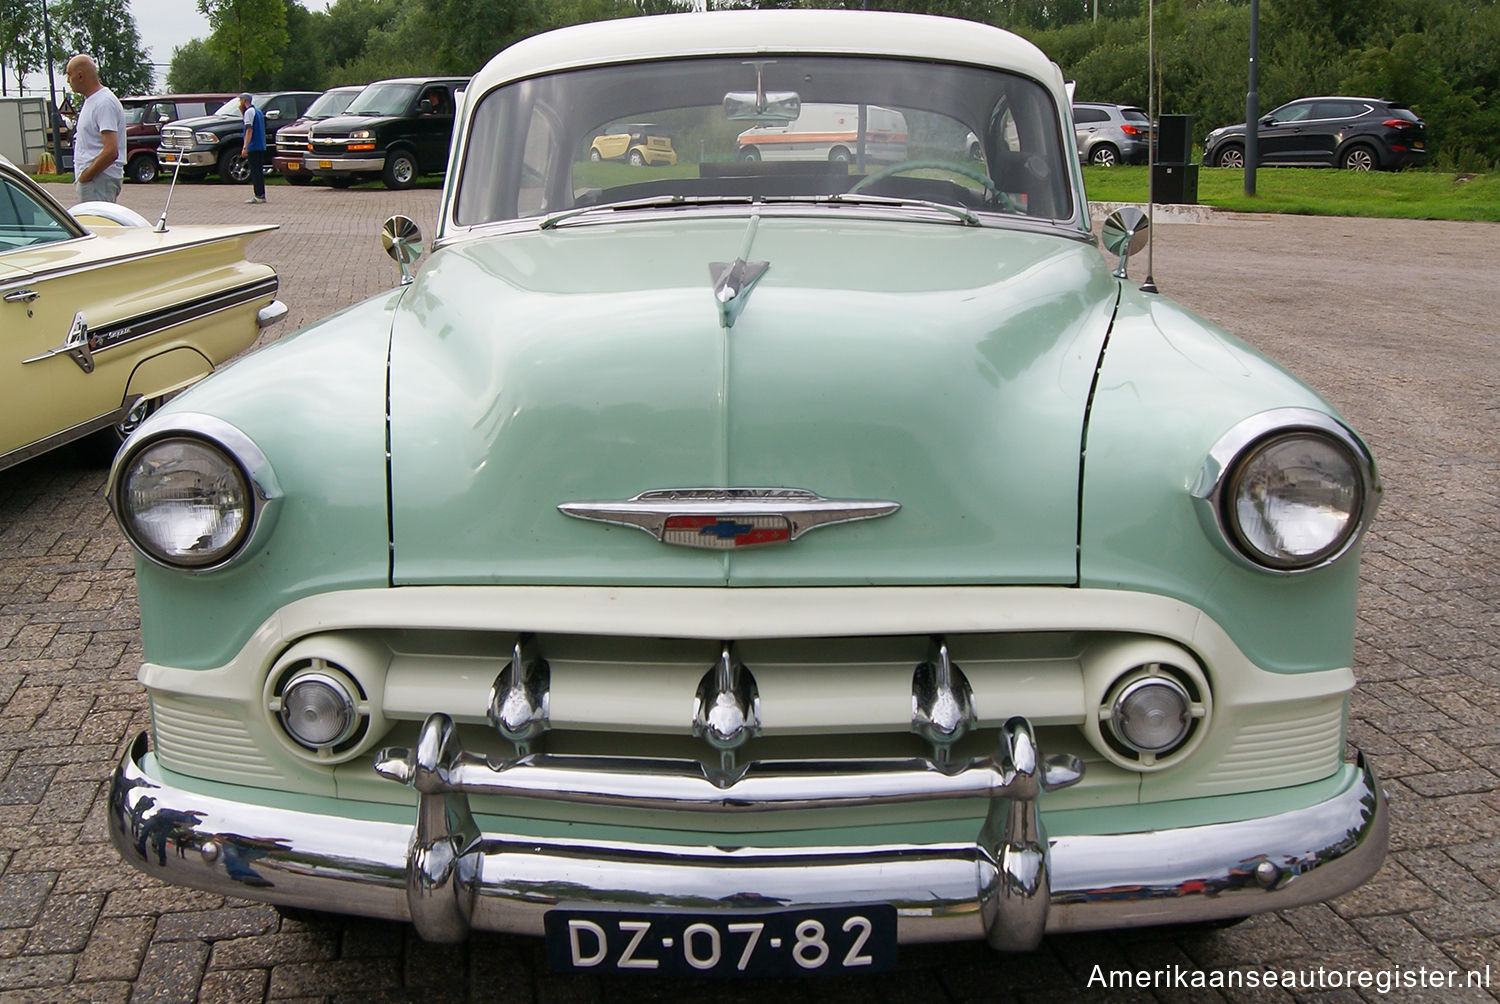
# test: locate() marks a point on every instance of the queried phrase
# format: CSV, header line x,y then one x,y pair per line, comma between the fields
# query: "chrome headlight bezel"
x,y
205,138
263,493
1228,458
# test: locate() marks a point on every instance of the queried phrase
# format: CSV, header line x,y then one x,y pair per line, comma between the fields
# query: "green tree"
x,y
304,62
194,68
249,35
21,49
104,29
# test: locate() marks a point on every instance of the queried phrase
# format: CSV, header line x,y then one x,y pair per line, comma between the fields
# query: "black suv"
x,y
213,142
1361,134
395,130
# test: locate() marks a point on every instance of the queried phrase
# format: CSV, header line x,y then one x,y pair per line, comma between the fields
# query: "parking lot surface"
x,y
1393,322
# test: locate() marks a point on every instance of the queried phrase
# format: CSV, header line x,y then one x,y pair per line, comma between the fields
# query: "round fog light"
x,y
317,711
1152,715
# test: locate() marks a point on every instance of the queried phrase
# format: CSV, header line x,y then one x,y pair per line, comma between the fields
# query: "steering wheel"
x,y
972,173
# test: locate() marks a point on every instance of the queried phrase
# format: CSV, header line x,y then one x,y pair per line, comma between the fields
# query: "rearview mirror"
x,y
774,106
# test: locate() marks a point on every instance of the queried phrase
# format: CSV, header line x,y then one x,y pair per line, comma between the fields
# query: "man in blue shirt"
x,y
254,148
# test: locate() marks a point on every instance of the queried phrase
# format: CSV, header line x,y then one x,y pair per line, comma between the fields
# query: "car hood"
x,y
340,125
206,122
942,367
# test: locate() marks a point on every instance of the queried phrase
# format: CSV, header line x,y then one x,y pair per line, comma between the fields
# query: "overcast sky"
x,y
165,24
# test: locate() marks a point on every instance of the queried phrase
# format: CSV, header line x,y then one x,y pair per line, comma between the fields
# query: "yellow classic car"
x,y
635,143
103,316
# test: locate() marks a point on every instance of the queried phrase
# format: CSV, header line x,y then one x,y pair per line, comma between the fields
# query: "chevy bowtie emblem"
x,y
726,518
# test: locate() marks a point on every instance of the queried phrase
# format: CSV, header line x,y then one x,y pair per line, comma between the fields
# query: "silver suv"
x,y
1111,134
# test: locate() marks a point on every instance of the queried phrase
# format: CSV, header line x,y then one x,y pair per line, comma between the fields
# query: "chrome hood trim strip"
x,y
653,511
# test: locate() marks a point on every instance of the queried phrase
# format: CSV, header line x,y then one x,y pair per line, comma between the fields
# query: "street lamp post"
x,y
51,89
1252,101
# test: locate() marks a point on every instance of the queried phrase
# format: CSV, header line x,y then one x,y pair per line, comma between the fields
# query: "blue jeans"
x,y
101,188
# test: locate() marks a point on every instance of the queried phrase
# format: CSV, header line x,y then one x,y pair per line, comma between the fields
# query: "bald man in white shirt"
x,y
99,139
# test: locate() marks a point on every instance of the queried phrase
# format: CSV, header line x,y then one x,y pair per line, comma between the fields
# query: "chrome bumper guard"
x,y
1009,886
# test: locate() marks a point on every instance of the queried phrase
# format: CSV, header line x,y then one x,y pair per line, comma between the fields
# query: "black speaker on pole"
x,y
1174,177
1174,139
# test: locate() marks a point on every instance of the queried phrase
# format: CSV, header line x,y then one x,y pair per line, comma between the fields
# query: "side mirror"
x,y
402,240
1126,231
272,115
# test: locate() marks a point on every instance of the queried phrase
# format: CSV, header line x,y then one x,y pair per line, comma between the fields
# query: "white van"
x,y
829,132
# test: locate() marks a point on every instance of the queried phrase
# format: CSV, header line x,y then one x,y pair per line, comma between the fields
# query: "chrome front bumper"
x,y
1009,886
362,165
169,158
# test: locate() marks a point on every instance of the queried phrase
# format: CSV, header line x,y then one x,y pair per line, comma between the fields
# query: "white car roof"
x,y
875,33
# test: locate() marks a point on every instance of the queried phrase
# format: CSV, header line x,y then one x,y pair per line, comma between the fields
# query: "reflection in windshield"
x,y
979,140
230,108
382,99
329,104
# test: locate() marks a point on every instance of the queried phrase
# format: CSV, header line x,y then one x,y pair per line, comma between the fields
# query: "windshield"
x,y
329,104
230,108
776,127
382,99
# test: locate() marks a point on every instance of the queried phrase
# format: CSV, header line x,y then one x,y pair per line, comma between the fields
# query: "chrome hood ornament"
x,y
723,519
732,281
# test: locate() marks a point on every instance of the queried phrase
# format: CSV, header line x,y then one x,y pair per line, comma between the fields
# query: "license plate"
x,y
169,157
325,163
850,939
1419,145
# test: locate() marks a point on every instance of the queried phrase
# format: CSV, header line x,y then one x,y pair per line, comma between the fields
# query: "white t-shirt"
x,y
101,112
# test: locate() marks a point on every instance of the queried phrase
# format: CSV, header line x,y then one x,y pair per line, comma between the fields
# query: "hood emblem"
x,y
732,281
722,519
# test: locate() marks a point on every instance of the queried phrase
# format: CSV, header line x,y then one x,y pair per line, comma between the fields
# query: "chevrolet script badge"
x,y
726,518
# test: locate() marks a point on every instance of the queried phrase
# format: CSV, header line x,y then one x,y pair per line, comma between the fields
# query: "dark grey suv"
x,y
1111,134
1361,134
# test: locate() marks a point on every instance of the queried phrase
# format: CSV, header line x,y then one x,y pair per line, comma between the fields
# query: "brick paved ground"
x,y
1393,322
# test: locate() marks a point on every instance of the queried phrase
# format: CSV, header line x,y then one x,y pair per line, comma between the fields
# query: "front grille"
x,y
176,138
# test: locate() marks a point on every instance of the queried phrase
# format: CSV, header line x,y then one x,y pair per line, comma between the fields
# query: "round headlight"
x,y
185,502
1152,715
317,711
1295,500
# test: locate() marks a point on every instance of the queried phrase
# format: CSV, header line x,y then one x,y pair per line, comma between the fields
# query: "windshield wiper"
x,y
651,202
962,214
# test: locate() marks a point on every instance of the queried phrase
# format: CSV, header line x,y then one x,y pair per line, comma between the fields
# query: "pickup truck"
x,y
396,130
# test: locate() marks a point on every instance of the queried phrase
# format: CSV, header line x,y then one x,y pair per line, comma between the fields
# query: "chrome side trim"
x,y
942,892
67,270
78,431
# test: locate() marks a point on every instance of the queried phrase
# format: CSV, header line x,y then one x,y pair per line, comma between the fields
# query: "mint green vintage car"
x,y
751,566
